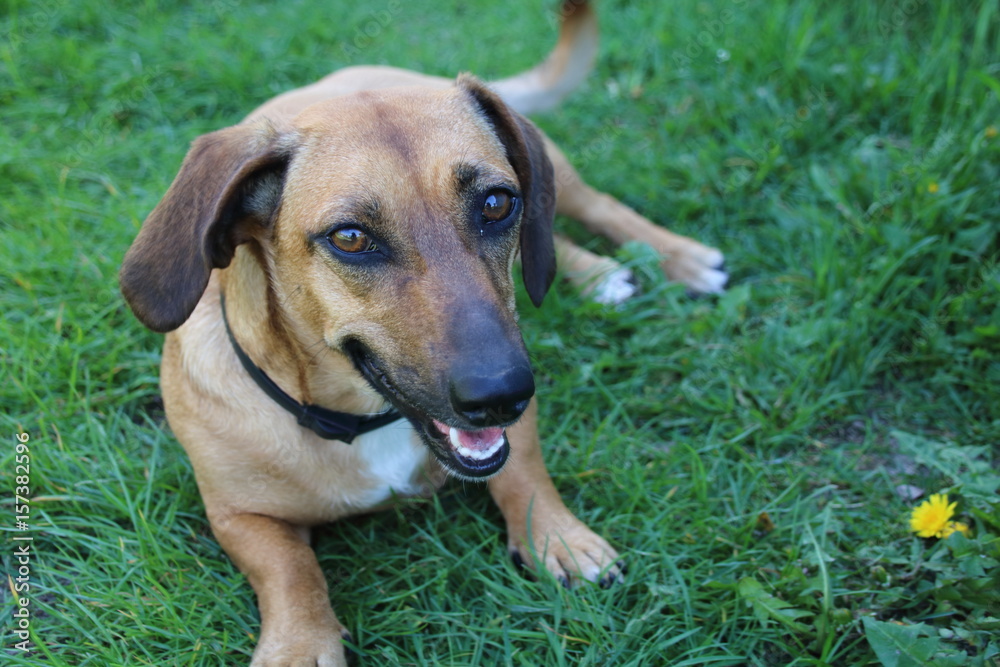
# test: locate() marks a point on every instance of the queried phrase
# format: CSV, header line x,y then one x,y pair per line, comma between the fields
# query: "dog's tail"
x,y
543,86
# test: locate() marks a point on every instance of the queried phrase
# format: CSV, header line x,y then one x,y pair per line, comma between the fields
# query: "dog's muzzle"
x,y
486,395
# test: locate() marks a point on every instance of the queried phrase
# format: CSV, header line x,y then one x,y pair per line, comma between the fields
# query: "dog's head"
x,y
386,223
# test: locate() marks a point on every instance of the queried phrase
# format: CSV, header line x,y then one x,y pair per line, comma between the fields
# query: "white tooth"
x,y
476,455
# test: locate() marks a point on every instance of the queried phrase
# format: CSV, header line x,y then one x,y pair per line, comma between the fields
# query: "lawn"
x,y
755,455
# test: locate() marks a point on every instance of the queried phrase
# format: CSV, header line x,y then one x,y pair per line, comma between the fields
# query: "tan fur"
x,y
242,219
684,259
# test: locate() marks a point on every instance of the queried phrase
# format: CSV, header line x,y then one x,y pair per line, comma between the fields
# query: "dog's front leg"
x,y
537,520
298,626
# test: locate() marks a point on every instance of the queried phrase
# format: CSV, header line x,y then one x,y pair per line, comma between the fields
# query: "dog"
x,y
334,275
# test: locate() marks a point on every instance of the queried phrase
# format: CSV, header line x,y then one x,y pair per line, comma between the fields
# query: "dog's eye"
x,y
497,206
352,240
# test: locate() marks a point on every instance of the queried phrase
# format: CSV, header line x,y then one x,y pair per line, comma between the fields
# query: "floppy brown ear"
x,y
526,153
230,180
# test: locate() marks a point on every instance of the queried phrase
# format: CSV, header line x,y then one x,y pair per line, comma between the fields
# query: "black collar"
x,y
324,423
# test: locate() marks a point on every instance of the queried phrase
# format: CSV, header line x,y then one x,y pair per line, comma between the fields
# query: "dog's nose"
x,y
492,397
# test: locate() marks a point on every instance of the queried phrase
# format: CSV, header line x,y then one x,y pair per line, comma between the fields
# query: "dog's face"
x,y
387,223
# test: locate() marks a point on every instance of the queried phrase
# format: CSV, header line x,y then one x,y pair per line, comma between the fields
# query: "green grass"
x,y
845,158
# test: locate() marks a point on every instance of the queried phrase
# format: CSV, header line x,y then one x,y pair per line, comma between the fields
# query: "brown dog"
x,y
349,247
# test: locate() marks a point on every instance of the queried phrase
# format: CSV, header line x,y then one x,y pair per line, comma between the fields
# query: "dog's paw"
x,y
695,265
300,648
606,281
614,288
570,550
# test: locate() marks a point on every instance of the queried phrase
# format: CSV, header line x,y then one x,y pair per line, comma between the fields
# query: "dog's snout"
x,y
489,375
492,395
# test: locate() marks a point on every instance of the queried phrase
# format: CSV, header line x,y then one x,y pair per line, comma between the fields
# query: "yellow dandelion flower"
x,y
955,527
932,188
991,131
930,518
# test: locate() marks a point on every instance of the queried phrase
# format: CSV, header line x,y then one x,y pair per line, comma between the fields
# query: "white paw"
x,y
697,266
708,281
615,288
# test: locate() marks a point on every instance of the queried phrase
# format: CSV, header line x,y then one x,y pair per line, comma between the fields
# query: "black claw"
x,y
622,566
564,580
515,556
348,653
606,582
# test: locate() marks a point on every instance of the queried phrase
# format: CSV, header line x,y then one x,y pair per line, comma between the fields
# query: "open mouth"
x,y
470,454
473,454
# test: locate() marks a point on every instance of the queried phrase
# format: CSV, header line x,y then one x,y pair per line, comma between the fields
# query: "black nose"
x,y
494,396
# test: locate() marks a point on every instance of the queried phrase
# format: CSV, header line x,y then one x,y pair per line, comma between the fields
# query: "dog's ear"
x,y
526,153
228,187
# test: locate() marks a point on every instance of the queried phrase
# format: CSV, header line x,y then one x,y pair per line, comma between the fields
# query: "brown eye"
x,y
497,206
352,239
